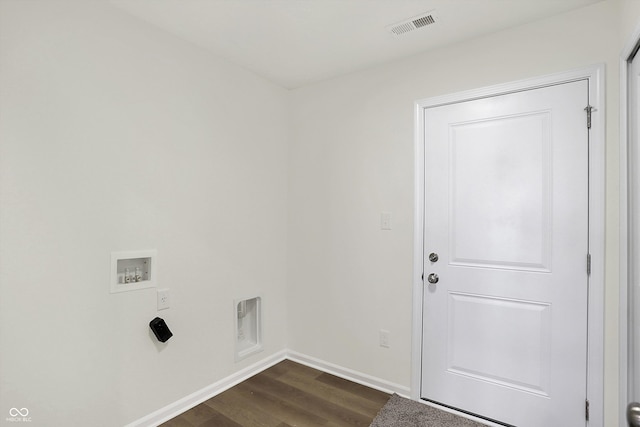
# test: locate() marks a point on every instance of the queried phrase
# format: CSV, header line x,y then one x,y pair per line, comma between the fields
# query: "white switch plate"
x,y
164,299
384,338
385,221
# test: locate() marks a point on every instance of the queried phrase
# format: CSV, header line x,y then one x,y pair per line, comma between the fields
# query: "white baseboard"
x,y
174,409
349,374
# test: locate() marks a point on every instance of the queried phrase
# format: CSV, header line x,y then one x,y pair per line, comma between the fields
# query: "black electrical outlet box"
x,y
160,329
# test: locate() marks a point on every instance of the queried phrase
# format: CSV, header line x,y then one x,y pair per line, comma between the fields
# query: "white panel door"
x,y
506,211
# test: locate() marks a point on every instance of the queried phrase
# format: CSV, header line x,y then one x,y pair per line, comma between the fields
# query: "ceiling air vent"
x,y
414,23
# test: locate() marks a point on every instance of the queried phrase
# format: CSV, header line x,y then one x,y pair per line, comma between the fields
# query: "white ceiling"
x,y
297,42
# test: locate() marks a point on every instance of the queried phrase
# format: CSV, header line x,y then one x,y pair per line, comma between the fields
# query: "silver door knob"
x,y
433,257
433,278
633,414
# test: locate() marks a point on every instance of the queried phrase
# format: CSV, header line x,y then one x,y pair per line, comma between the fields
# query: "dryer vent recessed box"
x,y
133,270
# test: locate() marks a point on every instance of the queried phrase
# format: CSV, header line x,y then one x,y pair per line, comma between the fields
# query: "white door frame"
x,y
626,335
595,75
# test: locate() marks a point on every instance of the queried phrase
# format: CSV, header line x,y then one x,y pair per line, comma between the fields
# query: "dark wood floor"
x,y
287,395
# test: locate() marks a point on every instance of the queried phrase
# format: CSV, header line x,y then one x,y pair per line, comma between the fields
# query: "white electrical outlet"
x,y
384,338
385,221
163,299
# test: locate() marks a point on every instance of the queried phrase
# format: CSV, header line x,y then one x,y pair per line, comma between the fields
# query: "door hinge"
x,y
589,109
586,410
588,264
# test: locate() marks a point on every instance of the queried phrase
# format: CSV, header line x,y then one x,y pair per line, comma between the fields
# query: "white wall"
x,y
629,18
352,158
117,136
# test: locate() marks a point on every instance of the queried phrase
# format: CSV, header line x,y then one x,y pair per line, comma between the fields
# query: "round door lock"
x,y
433,278
433,257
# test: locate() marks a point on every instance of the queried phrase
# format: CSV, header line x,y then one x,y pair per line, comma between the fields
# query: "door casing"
x,y
626,312
595,351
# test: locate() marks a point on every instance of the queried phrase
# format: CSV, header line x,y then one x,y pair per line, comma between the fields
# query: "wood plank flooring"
x,y
287,395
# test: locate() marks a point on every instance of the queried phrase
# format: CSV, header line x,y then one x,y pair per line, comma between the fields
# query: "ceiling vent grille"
x,y
414,23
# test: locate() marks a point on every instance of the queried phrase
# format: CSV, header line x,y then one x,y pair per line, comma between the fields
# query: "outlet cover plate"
x,y
164,299
384,338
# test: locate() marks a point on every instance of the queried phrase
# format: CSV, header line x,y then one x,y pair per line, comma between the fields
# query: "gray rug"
x,y
401,412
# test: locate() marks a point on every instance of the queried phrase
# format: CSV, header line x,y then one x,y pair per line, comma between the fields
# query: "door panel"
x,y
525,338
502,158
506,208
